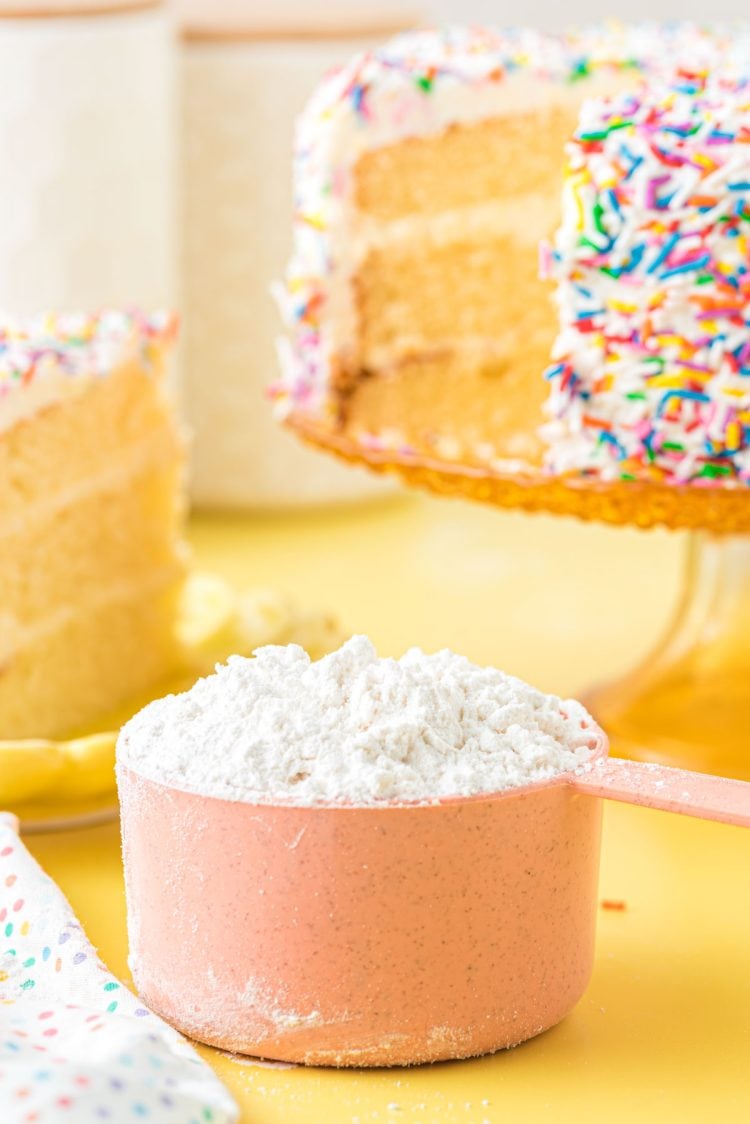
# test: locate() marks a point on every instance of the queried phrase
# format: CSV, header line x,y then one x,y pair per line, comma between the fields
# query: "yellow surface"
x,y
663,1033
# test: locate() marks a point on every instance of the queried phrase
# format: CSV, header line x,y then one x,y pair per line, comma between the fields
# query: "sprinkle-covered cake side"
x,y
651,378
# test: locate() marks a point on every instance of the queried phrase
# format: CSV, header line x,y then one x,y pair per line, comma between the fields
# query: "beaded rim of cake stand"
x,y
718,510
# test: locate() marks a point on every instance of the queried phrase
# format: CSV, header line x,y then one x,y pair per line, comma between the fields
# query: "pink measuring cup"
x,y
382,935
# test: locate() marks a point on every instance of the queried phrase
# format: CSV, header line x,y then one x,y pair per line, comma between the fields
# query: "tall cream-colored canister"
x,y
245,77
87,155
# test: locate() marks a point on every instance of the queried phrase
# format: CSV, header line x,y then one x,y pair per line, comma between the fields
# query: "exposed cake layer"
x,y
89,663
63,446
467,165
454,325
474,293
458,406
122,527
91,563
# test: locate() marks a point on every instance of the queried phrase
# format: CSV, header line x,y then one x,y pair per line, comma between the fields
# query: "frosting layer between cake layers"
x,y
426,174
91,563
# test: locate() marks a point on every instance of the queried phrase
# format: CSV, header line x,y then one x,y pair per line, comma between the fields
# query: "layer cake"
x,y
91,562
427,174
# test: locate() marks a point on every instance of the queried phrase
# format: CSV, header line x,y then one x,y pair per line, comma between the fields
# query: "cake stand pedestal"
x,y
688,703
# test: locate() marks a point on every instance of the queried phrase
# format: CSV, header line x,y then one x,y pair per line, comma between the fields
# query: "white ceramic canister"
x,y
247,71
87,155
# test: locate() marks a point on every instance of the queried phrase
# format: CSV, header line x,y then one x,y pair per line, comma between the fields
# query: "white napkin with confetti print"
x,y
75,1045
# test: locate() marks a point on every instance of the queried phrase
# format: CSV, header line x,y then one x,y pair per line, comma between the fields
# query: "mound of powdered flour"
x,y
352,728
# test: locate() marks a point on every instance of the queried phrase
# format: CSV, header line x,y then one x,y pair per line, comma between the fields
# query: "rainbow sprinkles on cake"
x,y
651,377
429,174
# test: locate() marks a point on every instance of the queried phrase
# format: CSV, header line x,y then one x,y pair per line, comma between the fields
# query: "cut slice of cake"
x,y
91,508
427,174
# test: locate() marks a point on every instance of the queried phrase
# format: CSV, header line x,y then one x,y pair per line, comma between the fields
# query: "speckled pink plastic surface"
x,y
361,936
722,799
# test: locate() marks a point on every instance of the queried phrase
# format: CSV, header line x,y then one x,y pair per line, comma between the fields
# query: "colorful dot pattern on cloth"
x,y
75,1044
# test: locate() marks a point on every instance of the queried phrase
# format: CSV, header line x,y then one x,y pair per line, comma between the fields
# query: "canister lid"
x,y
227,20
61,9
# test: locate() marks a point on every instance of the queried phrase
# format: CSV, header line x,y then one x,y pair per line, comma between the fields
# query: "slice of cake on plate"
x,y
91,508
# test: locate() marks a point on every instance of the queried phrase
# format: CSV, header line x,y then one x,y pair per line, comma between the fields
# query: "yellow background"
x,y
663,1032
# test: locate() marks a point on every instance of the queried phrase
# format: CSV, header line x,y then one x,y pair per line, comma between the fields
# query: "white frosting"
x,y
518,219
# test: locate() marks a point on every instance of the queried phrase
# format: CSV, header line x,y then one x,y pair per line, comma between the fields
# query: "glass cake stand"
x,y
688,703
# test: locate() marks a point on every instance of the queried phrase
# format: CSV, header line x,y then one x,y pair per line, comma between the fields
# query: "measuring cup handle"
x,y
671,790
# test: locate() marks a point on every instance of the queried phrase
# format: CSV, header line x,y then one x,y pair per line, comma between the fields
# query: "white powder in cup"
x,y
355,729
